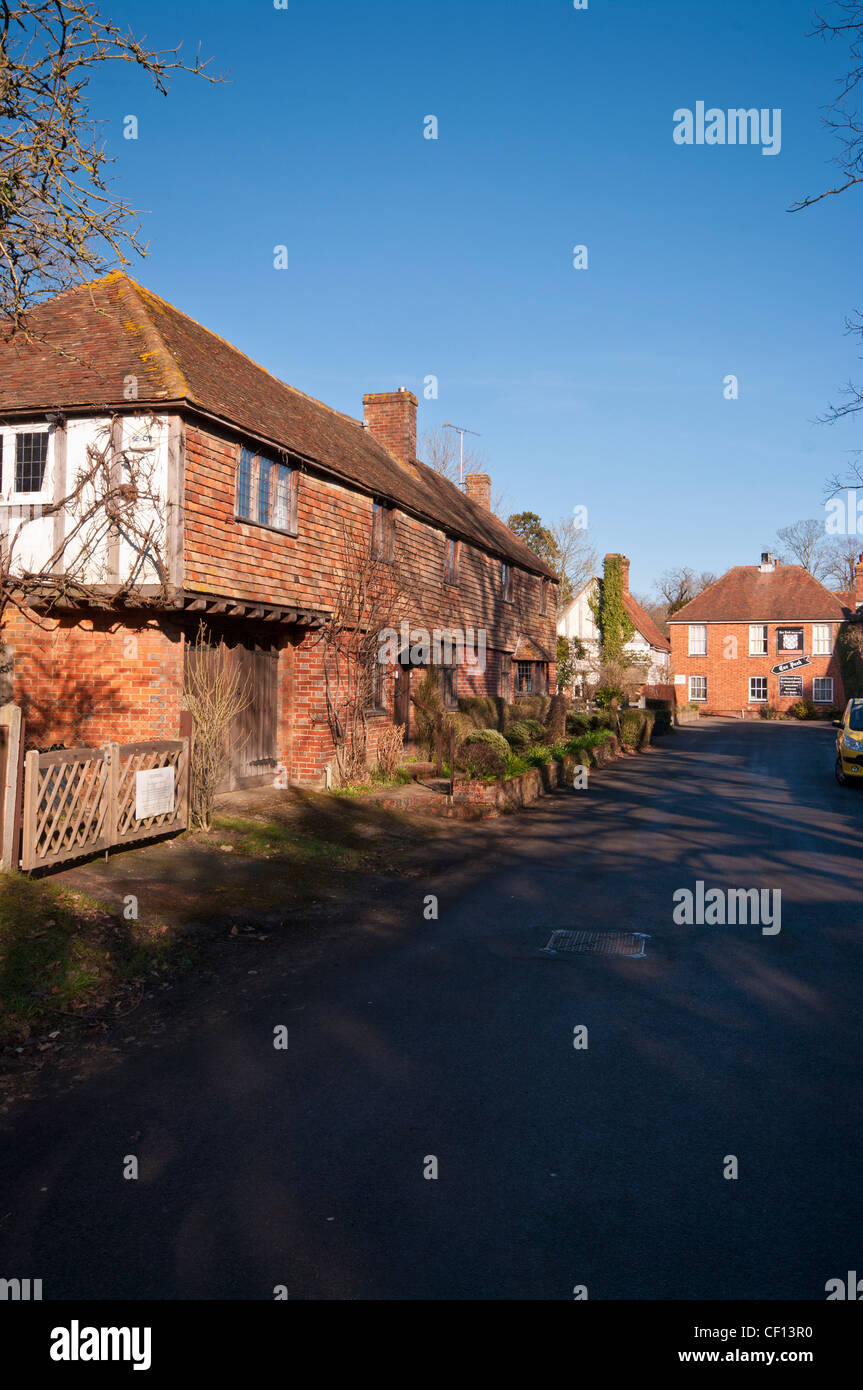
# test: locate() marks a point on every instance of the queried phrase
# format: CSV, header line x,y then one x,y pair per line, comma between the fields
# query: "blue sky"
x,y
410,257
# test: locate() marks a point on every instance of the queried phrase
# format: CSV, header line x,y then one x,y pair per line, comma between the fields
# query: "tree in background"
x,y
840,561
678,585
60,224
570,651
440,450
529,528
807,543
564,546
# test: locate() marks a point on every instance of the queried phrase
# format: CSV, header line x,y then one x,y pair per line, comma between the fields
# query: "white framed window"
x,y
822,690
697,639
24,462
698,687
758,690
822,639
758,639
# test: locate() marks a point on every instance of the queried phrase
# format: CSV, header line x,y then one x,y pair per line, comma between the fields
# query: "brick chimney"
x,y
624,569
391,416
477,486
858,581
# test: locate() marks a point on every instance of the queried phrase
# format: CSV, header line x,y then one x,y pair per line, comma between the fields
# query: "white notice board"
x,y
154,792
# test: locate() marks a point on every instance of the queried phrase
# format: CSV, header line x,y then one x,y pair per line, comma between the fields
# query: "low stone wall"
x,y
513,793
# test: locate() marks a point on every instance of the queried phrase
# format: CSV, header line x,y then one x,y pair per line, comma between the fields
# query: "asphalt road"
x,y
453,1038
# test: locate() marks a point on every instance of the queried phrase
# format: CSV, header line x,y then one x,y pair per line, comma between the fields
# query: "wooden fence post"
x,y
452,762
112,759
10,718
31,778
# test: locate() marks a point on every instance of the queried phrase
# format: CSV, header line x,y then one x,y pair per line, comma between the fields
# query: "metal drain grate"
x,y
597,943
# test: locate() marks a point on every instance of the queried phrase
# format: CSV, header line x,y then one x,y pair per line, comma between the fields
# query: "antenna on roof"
x,y
461,430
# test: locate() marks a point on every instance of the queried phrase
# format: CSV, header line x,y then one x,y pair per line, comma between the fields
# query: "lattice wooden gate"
x,y
78,801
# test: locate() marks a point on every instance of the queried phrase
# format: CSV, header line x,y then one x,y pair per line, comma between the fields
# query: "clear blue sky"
x,y
454,257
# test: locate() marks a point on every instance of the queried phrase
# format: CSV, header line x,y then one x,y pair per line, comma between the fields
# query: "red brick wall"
x,y
728,674
224,556
97,679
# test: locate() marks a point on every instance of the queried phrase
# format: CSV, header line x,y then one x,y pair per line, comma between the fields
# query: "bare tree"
x,y
574,558
214,694
59,221
806,542
680,584
655,608
841,554
114,501
844,21
370,599
439,448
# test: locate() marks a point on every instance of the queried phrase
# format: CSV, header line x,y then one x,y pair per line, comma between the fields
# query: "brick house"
x,y
762,634
257,483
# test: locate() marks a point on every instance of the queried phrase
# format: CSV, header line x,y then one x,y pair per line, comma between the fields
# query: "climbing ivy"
x,y
614,623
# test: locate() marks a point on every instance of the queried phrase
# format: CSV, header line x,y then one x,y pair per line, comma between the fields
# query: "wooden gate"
x,y
78,801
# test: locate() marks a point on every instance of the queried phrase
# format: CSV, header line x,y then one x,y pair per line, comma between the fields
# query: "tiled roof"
x,y
526,649
89,340
645,624
744,595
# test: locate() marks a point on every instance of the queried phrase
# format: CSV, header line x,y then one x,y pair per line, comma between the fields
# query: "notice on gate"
x,y
154,792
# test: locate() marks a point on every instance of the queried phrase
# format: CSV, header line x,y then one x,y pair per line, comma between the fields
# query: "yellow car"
x,y
849,744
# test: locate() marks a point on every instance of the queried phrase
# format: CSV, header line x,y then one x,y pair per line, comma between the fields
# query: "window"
x,y
377,698
698,639
266,492
31,455
543,598
822,639
449,686
524,678
822,690
383,532
758,690
698,687
506,582
758,640
450,573
504,689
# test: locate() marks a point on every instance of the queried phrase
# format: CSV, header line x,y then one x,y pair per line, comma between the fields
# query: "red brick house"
x,y
762,634
257,482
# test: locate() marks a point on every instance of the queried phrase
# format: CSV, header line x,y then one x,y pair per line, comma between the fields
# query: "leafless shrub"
x,y
214,694
391,749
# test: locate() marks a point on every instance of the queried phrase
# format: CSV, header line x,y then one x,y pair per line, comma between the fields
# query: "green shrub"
x,y
580,743
555,719
606,695
490,737
515,765
482,760
770,712
632,723
577,723
537,755
804,709
518,735
531,707
484,711
607,720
